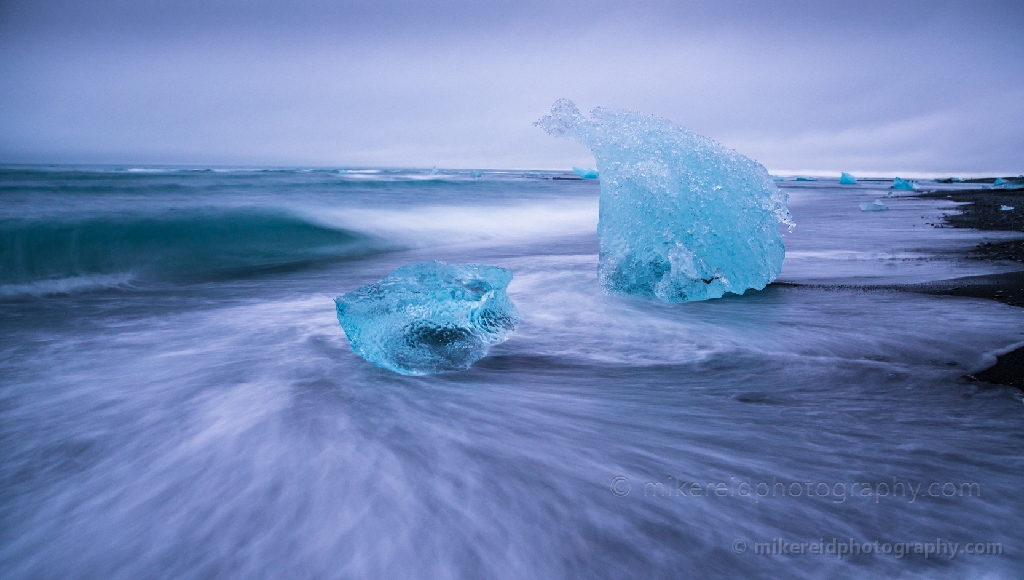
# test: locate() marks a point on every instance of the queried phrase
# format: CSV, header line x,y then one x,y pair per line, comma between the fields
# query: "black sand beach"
x,y
985,212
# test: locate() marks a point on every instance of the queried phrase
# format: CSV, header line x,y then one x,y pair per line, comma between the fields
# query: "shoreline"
x,y
983,212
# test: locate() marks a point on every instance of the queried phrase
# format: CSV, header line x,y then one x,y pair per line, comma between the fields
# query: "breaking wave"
x,y
47,255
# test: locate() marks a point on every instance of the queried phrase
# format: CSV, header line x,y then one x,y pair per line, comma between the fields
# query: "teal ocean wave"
x,y
177,246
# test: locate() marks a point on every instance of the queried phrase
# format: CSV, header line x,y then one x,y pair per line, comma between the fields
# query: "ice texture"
x,y
586,173
847,179
903,184
876,205
429,317
681,217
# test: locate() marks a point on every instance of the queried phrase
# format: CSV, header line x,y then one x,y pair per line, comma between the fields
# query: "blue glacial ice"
x,y
847,179
429,317
903,184
876,205
475,174
681,217
586,173
1016,183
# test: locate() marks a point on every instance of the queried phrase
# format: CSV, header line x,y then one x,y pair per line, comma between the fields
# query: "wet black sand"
x,y
985,212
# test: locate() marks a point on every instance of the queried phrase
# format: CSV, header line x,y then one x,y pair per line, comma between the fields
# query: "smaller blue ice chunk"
x,y
429,317
586,173
847,179
1006,207
876,205
474,174
903,184
1012,183
805,179
434,171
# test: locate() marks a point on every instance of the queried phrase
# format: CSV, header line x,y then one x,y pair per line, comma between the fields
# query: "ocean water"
x,y
177,398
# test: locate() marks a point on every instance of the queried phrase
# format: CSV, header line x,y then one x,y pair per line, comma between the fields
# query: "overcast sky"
x,y
869,87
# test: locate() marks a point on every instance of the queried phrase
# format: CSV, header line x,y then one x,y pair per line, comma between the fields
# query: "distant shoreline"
x,y
984,212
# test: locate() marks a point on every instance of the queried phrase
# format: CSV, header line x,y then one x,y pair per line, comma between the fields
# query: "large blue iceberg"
x,y
1012,183
903,184
429,317
682,218
586,173
847,179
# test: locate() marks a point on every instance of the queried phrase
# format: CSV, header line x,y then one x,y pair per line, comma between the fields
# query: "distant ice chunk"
x,y
876,205
1017,183
999,181
903,184
429,317
847,179
474,174
682,218
806,179
434,171
1006,207
586,173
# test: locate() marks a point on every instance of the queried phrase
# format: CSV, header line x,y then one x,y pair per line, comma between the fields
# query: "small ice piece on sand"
x,y
847,179
903,184
876,205
586,173
1006,207
681,217
429,317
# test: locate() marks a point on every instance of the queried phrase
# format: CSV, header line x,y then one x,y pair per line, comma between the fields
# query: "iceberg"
x,y
1006,207
429,317
434,171
681,217
474,174
847,179
1017,183
806,179
903,184
586,173
876,205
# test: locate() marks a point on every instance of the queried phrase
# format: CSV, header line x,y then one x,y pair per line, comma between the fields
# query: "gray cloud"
x,y
880,87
